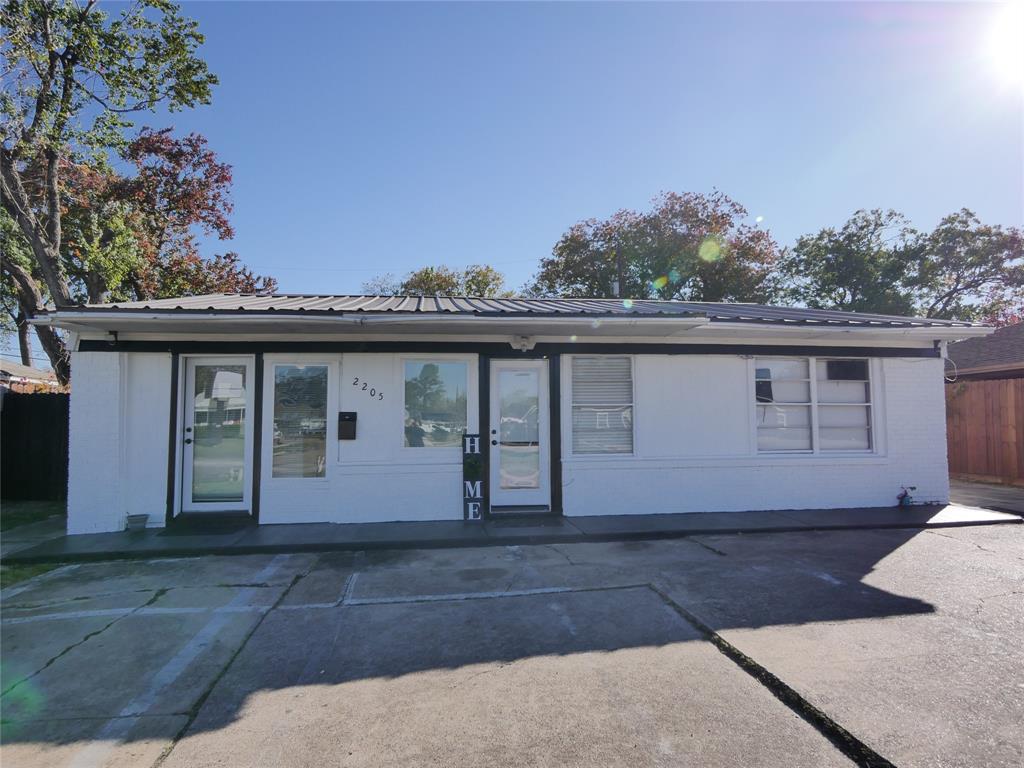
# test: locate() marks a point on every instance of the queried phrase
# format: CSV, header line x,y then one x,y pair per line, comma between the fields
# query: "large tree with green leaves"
x,y
876,262
859,267
688,246
969,270
73,77
133,236
178,186
474,280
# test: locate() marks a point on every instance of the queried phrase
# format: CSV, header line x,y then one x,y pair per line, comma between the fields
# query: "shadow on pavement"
x,y
395,631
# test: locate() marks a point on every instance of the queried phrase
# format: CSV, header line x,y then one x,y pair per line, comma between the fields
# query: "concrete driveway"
x,y
801,649
1008,498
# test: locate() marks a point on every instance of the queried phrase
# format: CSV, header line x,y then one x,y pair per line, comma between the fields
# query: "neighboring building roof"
x,y
299,304
1003,351
11,370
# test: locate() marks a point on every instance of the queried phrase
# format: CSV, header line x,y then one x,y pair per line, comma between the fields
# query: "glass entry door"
x,y
216,438
520,453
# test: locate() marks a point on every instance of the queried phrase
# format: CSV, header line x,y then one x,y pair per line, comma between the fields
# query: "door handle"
x,y
188,441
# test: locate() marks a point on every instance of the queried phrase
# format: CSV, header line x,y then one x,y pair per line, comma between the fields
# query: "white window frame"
x,y
568,420
270,363
436,454
812,364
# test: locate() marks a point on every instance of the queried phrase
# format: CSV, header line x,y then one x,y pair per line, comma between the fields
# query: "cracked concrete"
x,y
533,655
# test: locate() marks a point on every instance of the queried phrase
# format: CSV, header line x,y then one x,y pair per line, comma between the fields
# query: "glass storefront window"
x,y
435,403
300,420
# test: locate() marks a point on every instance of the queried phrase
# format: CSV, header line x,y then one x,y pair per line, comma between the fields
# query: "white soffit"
x,y
675,329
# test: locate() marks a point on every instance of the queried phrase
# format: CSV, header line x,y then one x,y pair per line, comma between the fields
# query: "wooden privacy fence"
x,y
985,430
34,446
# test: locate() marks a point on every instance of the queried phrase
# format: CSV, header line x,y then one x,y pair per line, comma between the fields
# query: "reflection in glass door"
x,y
519,433
216,439
519,442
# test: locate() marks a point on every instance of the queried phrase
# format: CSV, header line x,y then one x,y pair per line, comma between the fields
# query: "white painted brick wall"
x,y
147,405
694,453
916,426
118,439
95,443
911,419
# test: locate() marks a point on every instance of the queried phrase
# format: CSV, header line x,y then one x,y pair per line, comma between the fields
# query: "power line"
x,y
17,355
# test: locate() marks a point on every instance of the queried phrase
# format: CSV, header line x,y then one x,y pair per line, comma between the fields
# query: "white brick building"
x,y
354,409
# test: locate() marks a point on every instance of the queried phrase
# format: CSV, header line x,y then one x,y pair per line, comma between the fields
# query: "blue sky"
x,y
371,138
368,138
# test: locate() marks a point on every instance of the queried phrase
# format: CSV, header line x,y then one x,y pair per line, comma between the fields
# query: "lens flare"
x,y
759,219
627,303
710,249
659,282
23,701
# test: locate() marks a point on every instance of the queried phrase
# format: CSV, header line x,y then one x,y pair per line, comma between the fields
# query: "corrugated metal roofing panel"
x,y
716,312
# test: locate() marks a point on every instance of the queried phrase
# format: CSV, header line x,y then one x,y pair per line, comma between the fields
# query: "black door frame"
x,y
174,446
554,421
484,415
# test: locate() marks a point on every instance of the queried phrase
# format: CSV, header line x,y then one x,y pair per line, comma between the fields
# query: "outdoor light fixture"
x,y
523,343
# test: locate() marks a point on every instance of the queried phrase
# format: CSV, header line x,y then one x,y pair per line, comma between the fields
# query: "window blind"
x,y
602,405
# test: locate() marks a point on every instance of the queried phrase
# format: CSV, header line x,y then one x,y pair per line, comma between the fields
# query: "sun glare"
x,y
1006,44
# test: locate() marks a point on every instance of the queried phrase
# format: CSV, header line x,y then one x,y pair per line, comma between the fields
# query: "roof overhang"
x,y
253,323
1011,368
334,324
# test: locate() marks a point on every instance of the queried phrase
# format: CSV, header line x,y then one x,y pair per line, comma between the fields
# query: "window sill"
x,y
797,455
746,461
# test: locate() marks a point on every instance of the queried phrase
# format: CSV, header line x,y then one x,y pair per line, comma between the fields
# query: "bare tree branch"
x,y
137,107
43,97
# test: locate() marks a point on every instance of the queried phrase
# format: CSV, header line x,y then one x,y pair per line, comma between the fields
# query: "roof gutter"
x,y
95,320
58,317
1010,367
61,317
687,321
936,332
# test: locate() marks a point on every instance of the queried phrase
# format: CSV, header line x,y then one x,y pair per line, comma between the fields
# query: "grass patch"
x,y
12,574
15,513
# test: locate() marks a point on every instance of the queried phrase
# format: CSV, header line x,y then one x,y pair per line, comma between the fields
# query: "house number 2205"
x,y
364,387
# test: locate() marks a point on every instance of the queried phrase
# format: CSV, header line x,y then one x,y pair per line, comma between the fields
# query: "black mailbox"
x,y
347,425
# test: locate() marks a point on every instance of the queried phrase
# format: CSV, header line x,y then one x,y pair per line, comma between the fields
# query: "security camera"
x,y
523,343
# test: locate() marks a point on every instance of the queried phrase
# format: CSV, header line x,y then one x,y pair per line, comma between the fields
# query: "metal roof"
x,y
307,304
